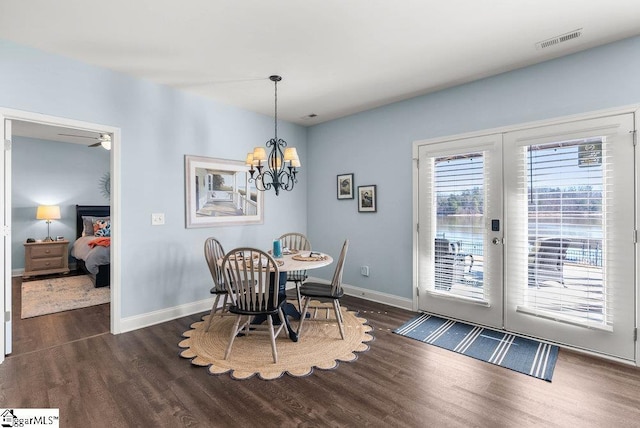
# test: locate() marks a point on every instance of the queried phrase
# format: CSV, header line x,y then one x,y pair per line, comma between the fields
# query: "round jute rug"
x,y
319,346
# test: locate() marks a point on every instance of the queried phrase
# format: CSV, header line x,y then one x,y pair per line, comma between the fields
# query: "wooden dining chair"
x,y
213,252
251,277
323,293
296,241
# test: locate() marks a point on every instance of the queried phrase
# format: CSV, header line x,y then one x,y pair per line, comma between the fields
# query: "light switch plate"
x,y
157,219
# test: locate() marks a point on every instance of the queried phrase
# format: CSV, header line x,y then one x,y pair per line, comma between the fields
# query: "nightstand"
x,y
43,258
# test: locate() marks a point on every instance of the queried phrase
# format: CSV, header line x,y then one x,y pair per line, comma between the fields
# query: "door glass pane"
x,y
458,247
565,229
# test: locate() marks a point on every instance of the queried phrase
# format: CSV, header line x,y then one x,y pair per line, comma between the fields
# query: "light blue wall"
x,y
51,173
377,147
162,266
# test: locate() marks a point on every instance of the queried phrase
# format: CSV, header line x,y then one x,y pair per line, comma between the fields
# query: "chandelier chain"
x,y
276,109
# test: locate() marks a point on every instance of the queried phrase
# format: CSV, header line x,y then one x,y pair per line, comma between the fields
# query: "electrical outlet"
x,y
364,270
157,219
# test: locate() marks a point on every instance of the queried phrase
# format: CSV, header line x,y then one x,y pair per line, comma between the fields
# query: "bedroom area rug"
x,y
528,356
61,294
319,347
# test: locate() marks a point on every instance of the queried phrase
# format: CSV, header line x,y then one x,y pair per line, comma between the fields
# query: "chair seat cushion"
x,y
274,311
316,289
296,276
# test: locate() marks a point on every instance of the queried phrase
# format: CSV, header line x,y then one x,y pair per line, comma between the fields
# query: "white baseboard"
x,y
378,297
156,317
374,296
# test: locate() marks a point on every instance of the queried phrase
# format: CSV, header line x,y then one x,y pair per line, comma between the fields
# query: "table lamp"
x,y
48,213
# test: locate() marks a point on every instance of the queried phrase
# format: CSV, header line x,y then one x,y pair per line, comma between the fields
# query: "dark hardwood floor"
x,y
45,331
137,379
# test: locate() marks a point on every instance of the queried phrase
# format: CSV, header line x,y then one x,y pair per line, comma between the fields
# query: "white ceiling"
x,y
336,57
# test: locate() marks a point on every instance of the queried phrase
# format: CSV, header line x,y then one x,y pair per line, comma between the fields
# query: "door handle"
x,y
496,241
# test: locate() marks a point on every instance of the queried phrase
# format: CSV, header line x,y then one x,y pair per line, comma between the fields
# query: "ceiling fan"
x,y
104,140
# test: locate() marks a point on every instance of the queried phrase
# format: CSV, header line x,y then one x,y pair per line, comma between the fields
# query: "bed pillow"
x,y
87,224
101,227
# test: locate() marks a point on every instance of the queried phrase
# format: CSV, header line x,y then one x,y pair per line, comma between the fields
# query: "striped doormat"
x,y
517,353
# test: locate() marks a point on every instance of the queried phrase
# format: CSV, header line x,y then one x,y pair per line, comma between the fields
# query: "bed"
x,y
92,246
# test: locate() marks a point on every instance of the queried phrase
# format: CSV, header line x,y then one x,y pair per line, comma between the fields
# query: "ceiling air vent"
x,y
559,39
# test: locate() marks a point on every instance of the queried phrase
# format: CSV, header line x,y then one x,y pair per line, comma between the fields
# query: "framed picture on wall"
x,y
345,186
219,193
367,199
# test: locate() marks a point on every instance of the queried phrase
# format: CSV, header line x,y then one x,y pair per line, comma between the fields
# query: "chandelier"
x,y
278,170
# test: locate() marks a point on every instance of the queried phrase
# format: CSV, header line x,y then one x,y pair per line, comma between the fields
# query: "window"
x,y
565,188
459,190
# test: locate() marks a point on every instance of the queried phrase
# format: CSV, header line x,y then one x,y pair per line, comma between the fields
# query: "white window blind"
x,y
459,189
564,184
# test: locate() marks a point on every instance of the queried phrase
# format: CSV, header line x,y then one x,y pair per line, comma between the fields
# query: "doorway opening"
x,y
73,149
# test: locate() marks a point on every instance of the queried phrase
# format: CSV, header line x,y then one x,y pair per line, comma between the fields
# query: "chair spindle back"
x,y
213,251
251,276
336,282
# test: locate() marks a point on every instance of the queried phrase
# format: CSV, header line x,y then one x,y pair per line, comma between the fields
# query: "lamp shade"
x,y
48,212
249,160
290,153
259,154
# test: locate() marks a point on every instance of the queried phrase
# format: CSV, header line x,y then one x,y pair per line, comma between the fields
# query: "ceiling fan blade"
x,y
79,136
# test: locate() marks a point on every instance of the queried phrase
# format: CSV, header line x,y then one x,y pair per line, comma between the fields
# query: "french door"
x,y
533,231
460,254
570,249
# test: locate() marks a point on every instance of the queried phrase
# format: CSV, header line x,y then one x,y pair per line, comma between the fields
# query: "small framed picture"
x,y
345,186
367,198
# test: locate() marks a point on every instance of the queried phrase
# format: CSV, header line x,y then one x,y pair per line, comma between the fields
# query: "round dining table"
x,y
300,260
303,260
292,261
